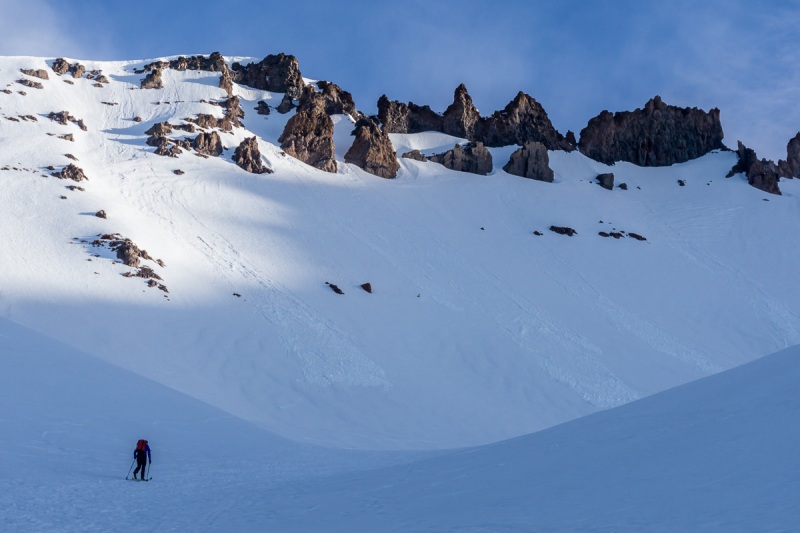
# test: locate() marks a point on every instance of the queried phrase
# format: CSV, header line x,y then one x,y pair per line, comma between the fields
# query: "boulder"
x,y
248,157
233,112
208,143
36,73
60,66
606,180
77,70
372,150
308,135
262,108
657,135
416,155
276,73
286,105
30,83
531,161
71,172
473,158
761,174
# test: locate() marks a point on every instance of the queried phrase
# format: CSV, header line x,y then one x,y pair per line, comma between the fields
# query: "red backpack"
x,y
140,446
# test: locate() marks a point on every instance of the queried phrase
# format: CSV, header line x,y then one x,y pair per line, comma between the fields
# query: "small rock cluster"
x,y
248,157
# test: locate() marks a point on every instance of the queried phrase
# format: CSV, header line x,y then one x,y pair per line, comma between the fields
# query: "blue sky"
x,y
577,58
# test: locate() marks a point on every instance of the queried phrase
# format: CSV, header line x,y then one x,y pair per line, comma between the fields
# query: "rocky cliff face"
x,y
531,161
657,135
473,158
372,150
337,100
308,135
761,174
276,73
791,167
523,120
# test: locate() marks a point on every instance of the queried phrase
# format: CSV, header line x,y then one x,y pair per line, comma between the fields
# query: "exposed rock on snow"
x,y
563,230
473,158
60,66
531,161
308,135
152,80
398,117
208,143
71,172
791,167
372,150
337,100
248,157
521,121
276,73
416,155
36,73
262,108
761,174
658,135
462,117
213,63
30,83
233,112
286,105
606,180
101,214
335,288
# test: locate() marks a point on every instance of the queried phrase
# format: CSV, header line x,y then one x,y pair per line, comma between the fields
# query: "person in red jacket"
x,y
142,456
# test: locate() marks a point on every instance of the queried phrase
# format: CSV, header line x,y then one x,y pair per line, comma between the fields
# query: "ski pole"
x,y
131,468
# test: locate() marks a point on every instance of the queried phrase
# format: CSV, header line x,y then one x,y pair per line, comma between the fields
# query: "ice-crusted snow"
x,y
477,330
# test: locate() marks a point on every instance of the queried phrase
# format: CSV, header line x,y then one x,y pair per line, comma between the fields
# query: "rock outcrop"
x,y
152,80
208,144
416,155
276,73
398,117
531,161
248,157
657,135
761,174
791,167
461,117
71,172
30,83
60,66
233,112
308,135
521,121
36,73
262,108
213,63
473,158
372,150
337,100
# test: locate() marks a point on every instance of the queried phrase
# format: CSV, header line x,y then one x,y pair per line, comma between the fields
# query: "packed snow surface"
x,y
477,330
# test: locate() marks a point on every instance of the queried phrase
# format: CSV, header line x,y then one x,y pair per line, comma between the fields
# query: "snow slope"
x,y
716,454
477,329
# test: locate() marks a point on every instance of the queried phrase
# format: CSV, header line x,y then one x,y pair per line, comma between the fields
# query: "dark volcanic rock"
x,y
164,146
531,161
523,120
563,230
473,158
791,167
213,63
337,100
372,150
226,82
101,214
205,121
38,73
658,135
761,174
248,157
276,73
233,112
159,129
77,70
398,117
606,180
308,135
208,143
461,117
71,172
152,80
128,252
262,108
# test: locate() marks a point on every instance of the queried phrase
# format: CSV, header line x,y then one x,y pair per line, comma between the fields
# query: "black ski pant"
x,y
141,463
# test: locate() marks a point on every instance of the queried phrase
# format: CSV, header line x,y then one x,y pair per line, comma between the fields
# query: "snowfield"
x,y
273,403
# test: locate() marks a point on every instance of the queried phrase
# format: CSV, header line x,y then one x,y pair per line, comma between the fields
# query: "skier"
x,y
142,456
